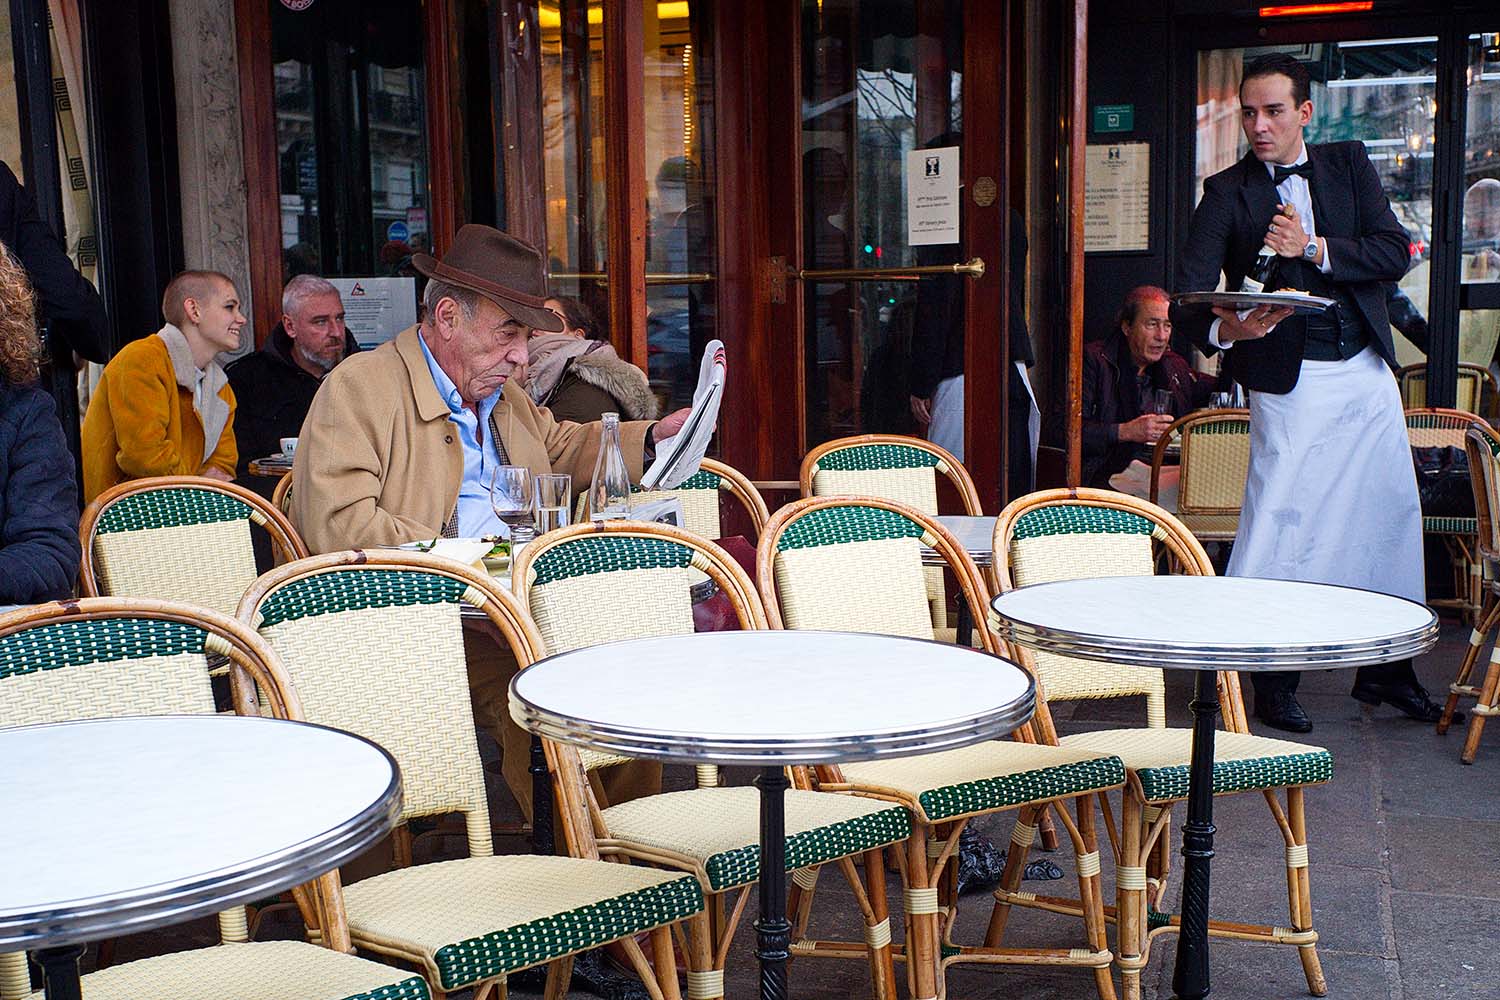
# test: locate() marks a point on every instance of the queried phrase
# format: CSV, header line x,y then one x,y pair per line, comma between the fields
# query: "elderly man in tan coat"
x,y
400,444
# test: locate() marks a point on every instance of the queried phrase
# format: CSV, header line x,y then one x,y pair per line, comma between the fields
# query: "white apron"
x,y
1332,496
947,427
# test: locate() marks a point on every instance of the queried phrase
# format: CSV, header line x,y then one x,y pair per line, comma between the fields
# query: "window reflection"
x,y
1479,329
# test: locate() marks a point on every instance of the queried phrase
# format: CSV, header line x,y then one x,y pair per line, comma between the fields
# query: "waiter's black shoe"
x,y
1409,697
1281,711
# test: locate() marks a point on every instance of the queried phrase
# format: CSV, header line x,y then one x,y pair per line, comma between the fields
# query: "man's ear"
x,y
444,318
1305,112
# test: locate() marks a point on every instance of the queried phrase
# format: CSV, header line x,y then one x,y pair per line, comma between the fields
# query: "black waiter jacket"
x,y
1365,243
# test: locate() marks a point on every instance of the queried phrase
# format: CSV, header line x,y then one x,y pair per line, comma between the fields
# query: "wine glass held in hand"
x,y
510,497
1162,403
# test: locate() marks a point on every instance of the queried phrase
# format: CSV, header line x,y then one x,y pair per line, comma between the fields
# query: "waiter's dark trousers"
x,y
1398,672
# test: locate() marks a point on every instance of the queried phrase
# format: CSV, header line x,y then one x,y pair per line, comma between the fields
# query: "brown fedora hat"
x,y
507,271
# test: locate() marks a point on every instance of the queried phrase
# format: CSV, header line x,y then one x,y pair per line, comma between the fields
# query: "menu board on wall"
x,y
1117,197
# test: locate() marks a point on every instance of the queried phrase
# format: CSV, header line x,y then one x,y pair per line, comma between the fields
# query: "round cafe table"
x,y
1206,624
770,699
146,821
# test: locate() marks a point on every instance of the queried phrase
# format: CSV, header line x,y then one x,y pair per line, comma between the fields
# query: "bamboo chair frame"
x,y
586,829
1428,426
252,664
1484,477
929,863
281,496
284,538
1471,378
1189,428
1142,840
514,625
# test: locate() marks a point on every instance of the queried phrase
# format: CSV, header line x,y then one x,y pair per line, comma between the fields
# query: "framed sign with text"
x,y
1117,197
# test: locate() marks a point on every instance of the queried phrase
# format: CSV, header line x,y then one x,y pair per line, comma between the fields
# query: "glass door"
x,y
881,324
1479,268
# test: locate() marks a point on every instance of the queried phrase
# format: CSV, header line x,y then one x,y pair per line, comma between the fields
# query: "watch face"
x,y
1311,250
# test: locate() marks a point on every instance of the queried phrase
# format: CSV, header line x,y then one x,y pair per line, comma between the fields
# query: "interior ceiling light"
x,y
1310,9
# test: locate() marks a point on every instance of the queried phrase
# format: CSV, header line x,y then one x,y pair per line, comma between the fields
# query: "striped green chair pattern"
x,y
373,642
107,657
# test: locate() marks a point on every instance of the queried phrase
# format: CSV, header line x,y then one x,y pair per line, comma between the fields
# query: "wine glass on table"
x,y
510,499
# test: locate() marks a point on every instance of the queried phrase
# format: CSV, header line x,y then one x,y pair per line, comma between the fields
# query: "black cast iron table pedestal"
x,y
772,699
1208,624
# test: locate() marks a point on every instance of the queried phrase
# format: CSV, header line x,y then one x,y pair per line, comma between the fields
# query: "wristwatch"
x,y
1310,252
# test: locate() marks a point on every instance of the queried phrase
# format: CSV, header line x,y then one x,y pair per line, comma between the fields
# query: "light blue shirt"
x,y
475,515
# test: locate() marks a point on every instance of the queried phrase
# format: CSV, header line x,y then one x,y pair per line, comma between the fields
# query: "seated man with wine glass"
x,y
402,443
1134,386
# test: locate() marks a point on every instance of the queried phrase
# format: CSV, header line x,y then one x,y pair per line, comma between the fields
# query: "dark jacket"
x,y
1110,398
70,304
1366,244
937,350
595,384
272,393
39,549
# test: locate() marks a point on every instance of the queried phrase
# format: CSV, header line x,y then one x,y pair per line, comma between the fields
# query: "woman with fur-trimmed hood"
x,y
578,377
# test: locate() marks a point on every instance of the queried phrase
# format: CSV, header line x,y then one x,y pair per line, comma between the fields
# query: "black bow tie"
x,y
1305,169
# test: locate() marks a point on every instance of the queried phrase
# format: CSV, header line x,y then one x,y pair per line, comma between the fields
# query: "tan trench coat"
x,y
378,462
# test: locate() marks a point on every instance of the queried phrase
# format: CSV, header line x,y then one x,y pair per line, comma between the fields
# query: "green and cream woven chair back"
x,y
854,564
594,583
699,495
178,538
893,467
373,643
99,658
1073,534
1484,476
1214,465
1472,382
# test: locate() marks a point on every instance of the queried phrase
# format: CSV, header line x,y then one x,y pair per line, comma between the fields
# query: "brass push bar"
x,y
973,269
652,278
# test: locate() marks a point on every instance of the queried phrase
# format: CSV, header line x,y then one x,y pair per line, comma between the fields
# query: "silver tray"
x,y
1299,301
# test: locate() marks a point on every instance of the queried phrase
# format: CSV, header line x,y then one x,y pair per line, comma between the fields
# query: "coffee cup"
x,y
289,447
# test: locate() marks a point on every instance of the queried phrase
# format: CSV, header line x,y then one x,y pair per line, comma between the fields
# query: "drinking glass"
x,y
510,498
553,494
1163,401
1221,401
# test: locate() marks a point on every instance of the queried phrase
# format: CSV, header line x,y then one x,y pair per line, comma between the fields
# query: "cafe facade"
x,y
826,186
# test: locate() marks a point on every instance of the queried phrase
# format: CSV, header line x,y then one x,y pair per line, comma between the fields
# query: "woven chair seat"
x,y
260,970
1450,525
719,829
1242,761
472,919
987,776
1211,527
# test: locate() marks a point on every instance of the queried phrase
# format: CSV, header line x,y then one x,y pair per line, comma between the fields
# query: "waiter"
x,y
1331,495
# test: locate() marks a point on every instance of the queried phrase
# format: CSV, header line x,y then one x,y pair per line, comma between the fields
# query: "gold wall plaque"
x,y
984,192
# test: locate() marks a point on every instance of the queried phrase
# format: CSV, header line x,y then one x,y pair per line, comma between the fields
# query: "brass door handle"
x,y
652,277
973,269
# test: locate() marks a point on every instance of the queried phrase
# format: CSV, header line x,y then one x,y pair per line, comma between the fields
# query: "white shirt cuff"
x,y
1327,266
1213,336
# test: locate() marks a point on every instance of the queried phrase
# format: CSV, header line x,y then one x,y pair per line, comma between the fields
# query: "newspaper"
x,y
679,456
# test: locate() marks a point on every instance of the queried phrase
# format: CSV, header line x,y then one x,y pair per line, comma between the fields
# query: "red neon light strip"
x,y
1305,10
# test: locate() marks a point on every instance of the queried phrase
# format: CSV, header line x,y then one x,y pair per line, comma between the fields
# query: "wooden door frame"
x,y
252,19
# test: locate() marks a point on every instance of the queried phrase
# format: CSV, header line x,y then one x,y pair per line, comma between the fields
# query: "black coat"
x,y
1110,399
39,549
68,301
1366,245
272,394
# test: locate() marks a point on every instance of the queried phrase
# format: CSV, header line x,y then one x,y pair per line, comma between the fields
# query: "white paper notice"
x,y
1117,197
932,196
376,309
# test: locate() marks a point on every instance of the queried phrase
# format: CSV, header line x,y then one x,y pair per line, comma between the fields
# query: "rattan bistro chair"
x,y
899,468
281,496
1473,380
699,496
1484,476
1069,534
854,564
178,538
1213,466
1430,427
372,641
107,657
596,582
